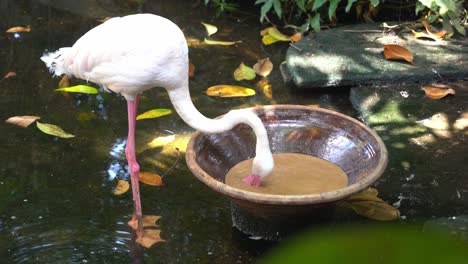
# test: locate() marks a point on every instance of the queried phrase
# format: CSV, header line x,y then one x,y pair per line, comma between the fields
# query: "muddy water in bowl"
x,y
294,174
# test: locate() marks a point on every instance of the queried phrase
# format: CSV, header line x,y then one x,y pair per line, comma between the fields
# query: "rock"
x,y
353,55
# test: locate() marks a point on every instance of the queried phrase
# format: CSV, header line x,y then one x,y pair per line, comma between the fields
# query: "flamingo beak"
x,y
253,180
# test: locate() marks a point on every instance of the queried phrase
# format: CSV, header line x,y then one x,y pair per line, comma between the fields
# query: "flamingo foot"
x,y
253,180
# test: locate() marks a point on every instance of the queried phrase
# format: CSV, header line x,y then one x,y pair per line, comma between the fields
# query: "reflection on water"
x,y
56,201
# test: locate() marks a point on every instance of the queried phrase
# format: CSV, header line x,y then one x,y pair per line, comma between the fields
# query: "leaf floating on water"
x,y
19,29
64,82
223,43
78,89
150,178
161,141
244,72
263,67
154,113
210,29
272,35
397,52
437,93
22,121
150,237
122,187
9,75
53,130
265,86
146,221
229,91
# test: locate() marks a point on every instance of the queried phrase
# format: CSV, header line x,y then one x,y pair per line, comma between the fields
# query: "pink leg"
x,y
133,165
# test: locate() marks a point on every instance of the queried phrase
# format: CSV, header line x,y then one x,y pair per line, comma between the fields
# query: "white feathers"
x,y
54,61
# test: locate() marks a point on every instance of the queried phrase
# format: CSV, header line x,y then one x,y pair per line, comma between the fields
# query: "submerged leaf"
x,y
210,29
161,141
263,67
223,43
229,91
19,29
154,113
377,210
53,130
437,93
22,121
150,178
122,187
244,72
397,52
78,89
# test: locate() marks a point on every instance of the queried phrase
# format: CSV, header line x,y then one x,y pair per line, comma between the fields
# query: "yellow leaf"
x,y
263,67
146,221
244,72
396,52
217,42
19,29
229,91
122,187
274,32
267,91
436,92
150,237
64,82
161,141
377,210
150,178
269,39
53,130
154,113
22,121
210,29
365,195
78,89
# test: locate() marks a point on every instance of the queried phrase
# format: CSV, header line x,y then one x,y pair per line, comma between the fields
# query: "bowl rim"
x,y
275,199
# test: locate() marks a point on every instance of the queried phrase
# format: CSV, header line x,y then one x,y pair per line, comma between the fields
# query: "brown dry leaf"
x,y
438,35
22,121
150,237
263,67
122,187
19,29
191,70
296,37
376,209
150,178
229,91
146,221
64,82
9,75
436,92
397,52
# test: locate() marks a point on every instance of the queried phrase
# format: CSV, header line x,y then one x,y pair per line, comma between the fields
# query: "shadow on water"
x,y
56,201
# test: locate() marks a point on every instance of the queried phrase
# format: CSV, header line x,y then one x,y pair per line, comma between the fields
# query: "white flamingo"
x,y
131,54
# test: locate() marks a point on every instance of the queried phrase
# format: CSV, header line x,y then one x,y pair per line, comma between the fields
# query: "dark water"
x,y
56,200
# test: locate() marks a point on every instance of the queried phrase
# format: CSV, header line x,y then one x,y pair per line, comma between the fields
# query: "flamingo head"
x,y
261,168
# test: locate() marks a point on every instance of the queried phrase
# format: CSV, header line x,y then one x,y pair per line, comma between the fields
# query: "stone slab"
x,y
353,55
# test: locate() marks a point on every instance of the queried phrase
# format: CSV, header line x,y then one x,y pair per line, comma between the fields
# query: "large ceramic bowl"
x,y
338,138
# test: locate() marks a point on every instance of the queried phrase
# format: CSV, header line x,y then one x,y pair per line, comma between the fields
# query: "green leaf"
x,y
318,4
53,130
78,89
154,113
455,20
265,9
332,8
349,5
315,22
277,7
244,72
374,2
301,5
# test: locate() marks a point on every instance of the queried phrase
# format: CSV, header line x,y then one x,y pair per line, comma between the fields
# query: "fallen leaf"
x,y
229,91
268,40
64,82
122,187
436,92
19,29
244,72
53,130
9,75
274,32
161,141
223,43
397,52
263,67
78,89
150,178
267,91
437,34
191,70
22,121
296,37
377,210
146,221
210,29
150,237
154,113
365,195
272,35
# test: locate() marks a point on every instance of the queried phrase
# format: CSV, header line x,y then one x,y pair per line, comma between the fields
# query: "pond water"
x,y
56,195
